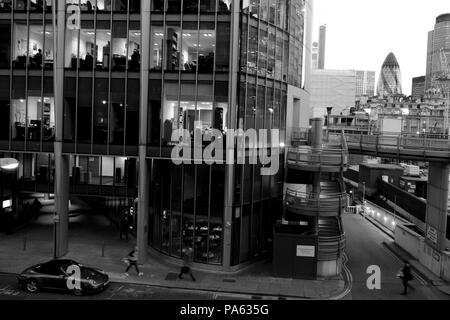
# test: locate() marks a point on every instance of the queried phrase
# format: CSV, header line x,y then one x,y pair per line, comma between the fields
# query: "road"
x,y
9,290
365,248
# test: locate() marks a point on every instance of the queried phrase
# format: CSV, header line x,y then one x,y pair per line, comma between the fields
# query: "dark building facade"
x,y
97,116
418,87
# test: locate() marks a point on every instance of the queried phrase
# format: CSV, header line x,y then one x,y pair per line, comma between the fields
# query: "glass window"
x,y
173,38
101,111
154,113
132,116
263,9
102,5
171,118
117,114
135,6
87,50
103,45
202,213
190,6
36,5
36,44
18,113
190,47
34,109
281,14
223,47
69,109
216,215
120,5
156,48
48,47
21,5
262,52
278,57
134,46
119,45
243,45
206,44
192,233
5,45
250,109
5,6
20,51
224,6
207,5
176,192
272,10
271,53
48,111
84,112
158,5
173,6
252,50
221,105
260,107
5,110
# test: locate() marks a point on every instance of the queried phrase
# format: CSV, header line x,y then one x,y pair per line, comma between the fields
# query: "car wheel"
x,y
78,292
32,286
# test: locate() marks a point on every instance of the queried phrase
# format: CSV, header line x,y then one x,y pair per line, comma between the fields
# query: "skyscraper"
x,y
322,46
390,81
365,83
438,45
418,87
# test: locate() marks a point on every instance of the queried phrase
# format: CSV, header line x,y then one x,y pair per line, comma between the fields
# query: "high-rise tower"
x,y
390,81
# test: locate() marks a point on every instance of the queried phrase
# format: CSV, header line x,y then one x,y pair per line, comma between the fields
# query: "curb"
x,y
209,290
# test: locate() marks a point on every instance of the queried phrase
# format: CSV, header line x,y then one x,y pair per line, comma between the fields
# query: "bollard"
x,y
103,248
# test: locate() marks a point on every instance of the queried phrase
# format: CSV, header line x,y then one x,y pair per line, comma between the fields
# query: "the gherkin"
x,y
390,80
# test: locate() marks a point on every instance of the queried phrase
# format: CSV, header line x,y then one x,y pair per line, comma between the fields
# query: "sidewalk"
x,y
420,269
255,280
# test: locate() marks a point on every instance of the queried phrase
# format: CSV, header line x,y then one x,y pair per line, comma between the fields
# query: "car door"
x,y
53,276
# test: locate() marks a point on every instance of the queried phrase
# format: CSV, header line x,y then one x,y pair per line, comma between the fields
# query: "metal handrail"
x,y
313,156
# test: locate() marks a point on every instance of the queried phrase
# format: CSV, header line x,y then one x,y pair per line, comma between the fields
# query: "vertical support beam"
x,y
61,219
436,216
144,172
231,124
316,144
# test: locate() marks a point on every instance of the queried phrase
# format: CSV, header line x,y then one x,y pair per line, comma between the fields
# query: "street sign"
x,y
432,234
306,251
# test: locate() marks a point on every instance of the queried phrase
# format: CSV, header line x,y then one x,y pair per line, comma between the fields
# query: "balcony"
x,y
327,159
312,204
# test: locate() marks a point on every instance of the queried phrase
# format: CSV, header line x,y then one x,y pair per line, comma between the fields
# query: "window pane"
x,y
156,47
173,6
207,5
84,114
5,6
119,45
101,111
134,47
190,6
69,109
132,131
5,45
20,52
173,48
103,45
87,46
223,47
117,116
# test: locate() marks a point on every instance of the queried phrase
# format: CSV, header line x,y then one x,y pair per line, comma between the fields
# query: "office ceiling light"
x,y
8,164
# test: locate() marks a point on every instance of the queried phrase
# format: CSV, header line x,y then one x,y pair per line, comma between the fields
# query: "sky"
x,y
361,33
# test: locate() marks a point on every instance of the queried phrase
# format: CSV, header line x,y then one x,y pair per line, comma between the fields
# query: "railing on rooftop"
x,y
308,203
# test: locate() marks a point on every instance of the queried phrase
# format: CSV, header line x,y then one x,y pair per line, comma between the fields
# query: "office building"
x,y
418,87
438,51
128,74
365,84
390,81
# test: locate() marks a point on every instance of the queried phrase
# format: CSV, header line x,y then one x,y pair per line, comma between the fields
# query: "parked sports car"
x,y
62,275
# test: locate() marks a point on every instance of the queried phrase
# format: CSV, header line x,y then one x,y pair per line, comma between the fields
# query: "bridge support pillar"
x,y
436,214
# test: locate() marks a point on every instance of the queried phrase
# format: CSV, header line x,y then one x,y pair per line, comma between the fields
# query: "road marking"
x,y
348,283
415,274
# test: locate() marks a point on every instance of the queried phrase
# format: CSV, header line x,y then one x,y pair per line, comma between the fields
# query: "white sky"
x,y
361,33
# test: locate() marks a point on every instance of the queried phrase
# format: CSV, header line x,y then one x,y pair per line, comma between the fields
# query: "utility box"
x,y
294,253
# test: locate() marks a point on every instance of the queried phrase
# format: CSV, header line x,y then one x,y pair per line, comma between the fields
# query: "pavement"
x,y
93,241
423,272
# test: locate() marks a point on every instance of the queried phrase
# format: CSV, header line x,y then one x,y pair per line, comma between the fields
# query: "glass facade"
x,y
189,88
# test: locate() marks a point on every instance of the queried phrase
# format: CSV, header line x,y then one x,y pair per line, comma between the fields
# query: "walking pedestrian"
x,y
406,276
187,261
132,259
124,225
